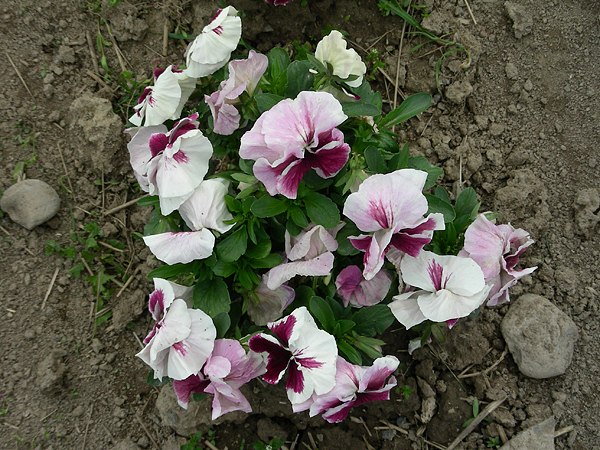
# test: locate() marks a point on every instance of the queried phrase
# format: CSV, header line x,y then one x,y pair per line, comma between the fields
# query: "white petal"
x,y
164,99
414,270
445,305
175,327
139,149
185,247
406,309
319,266
206,207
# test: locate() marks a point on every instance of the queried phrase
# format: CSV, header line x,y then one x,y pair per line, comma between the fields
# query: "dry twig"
x,y
4,230
50,288
87,425
88,36
19,74
128,282
488,370
470,12
476,421
123,206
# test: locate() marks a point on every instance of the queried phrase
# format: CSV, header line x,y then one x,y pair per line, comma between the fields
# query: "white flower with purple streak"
x,y
165,100
293,137
391,207
306,352
449,287
344,61
181,339
354,386
358,292
496,248
213,46
204,211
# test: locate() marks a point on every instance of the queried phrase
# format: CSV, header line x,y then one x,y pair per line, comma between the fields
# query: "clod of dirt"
x,y
268,429
125,24
540,336
458,91
587,214
127,309
126,444
538,437
186,422
51,372
439,22
522,21
427,409
30,203
98,130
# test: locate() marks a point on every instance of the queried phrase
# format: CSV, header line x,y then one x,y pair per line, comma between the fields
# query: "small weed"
x,y
376,63
493,442
3,411
273,445
475,413
194,442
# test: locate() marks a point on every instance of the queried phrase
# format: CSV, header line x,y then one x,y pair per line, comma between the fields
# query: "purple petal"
x,y
283,329
278,358
193,384
295,379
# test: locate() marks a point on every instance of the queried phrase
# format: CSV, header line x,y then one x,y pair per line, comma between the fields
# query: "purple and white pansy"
x,y
165,100
391,207
213,46
307,353
496,248
448,287
244,76
172,163
226,370
182,338
344,61
358,292
293,137
204,211
309,254
354,386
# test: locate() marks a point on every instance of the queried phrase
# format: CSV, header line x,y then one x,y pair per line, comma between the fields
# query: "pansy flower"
x,y
172,163
447,287
244,76
391,207
309,254
496,248
182,338
226,370
266,305
354,386
293,137
358,292
344,61
204,211
213,46
306,352
165,100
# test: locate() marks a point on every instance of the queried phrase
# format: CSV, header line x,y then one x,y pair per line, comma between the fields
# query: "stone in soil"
x,y
538,437
51,372
30,203
540,336
522,21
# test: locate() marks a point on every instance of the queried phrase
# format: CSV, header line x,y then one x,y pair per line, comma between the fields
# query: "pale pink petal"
x,y
406,309
374,378
227,120
173,248
484,244
249,71
319,266
463,276
194,384
310,243
175,327
267,305
226,399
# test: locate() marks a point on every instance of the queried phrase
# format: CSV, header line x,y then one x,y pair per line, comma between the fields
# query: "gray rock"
x,y
51,372
126,444
522,21
538,437
511,71
30,203
130,306
458,91
98,129
586,204
540,336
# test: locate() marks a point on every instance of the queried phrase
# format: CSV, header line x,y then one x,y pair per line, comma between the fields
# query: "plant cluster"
x,y
295,229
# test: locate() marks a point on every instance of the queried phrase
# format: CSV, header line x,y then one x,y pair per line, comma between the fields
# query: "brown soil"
x,y
523,114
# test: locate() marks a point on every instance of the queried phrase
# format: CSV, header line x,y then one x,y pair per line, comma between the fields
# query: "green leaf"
x,y
154,381
437,333
345,326
224,269
345,247
316,63
399,160
292,228
349,352
266,101
243,177
268,206
466,208
298,78
372,320
234,246
222,323
170,272
303,295
267,262
298,216
248,278
354,109
413,105
322,311
433,172
442,193
375,160
260,250
321,210
437,205
149,200
279,60
212,296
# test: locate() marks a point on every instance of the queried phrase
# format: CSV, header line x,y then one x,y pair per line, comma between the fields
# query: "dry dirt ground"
x,y
520,124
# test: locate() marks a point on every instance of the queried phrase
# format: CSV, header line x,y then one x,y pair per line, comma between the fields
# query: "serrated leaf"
x,y
321,210
442,193
372,320
268,206
212,296
413,105
437,205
